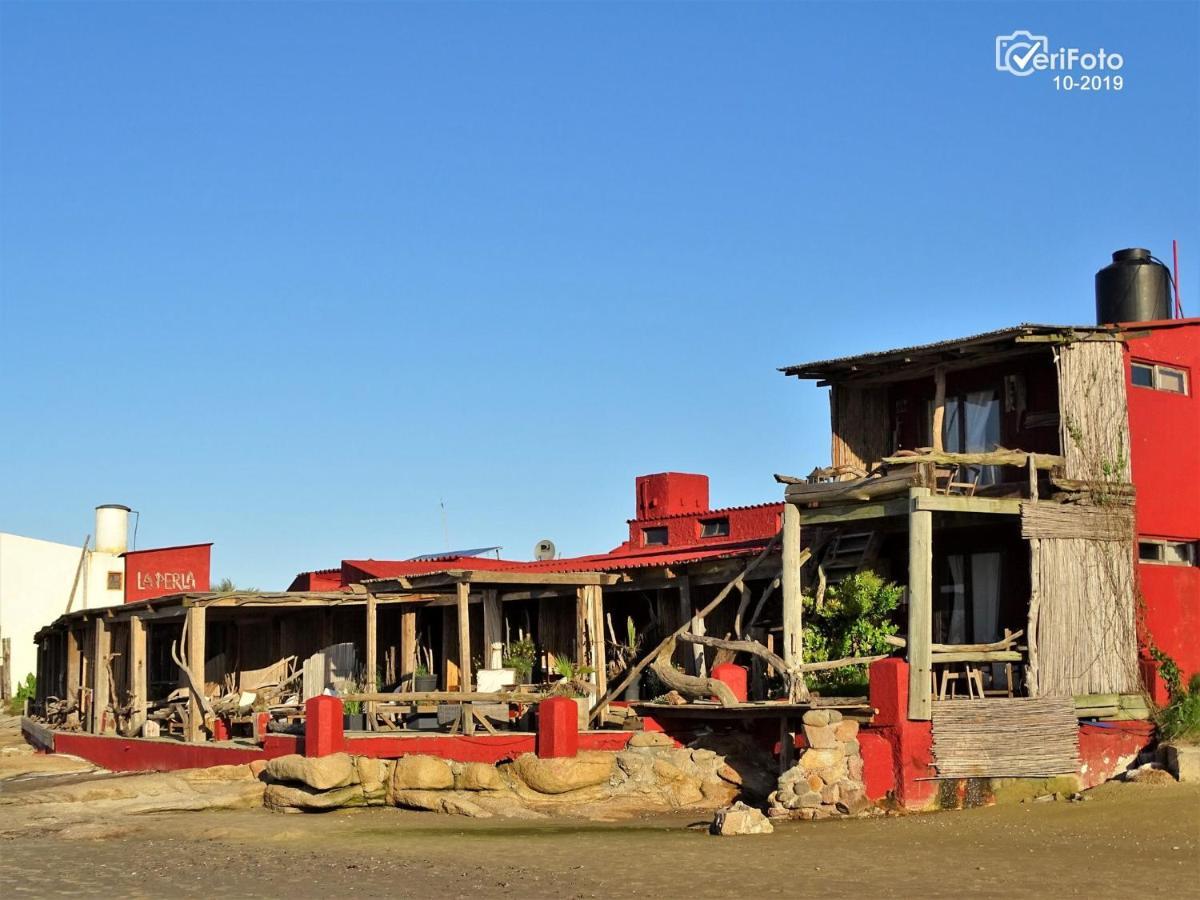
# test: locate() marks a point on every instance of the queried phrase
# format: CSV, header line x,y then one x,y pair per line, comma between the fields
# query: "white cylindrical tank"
x,y
112,528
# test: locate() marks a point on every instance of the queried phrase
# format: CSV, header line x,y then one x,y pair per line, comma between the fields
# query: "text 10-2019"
x,y
1089,83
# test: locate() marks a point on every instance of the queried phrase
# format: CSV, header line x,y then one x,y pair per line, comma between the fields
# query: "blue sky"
x,y
288,277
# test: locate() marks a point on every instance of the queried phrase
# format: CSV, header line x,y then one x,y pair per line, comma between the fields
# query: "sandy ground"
x,y
1127,840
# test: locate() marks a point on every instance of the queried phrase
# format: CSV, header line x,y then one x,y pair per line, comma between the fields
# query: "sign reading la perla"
x,y
166,581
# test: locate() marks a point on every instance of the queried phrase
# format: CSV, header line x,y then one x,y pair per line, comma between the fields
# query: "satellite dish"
x,y
544,550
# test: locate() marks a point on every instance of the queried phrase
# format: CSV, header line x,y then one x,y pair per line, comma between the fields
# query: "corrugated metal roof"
x,y
824,367
705,514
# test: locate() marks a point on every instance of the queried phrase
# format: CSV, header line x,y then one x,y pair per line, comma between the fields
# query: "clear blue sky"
x,y
284,277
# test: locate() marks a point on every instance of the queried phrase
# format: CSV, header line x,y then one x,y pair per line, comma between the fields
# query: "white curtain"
x,y
979,415
956,632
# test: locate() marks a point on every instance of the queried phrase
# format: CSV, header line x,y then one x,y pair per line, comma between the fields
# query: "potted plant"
x,y
573,683
423,679
519,658
353,717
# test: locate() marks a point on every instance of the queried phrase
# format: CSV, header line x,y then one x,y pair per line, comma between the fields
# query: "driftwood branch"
x,y
634,671
1002,644
754,648
695,687
839,663
1000,457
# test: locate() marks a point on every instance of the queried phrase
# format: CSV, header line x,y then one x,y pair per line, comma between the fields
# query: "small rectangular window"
x,y
654,537
711,528
1160,378
1169,553
1143,375
114,581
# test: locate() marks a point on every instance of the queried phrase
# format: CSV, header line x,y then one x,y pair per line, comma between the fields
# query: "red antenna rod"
x,y
1178,302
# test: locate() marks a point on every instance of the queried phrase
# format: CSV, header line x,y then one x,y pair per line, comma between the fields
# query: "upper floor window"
x,y
1161,378
655,536
115,581
1171,553
711,528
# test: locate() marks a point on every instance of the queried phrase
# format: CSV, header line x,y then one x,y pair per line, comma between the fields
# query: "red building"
x,y
1162,360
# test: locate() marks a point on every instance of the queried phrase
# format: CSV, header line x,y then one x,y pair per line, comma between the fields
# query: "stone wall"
x,y
828,778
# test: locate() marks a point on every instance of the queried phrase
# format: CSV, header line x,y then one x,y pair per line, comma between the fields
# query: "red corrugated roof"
x,y
705,514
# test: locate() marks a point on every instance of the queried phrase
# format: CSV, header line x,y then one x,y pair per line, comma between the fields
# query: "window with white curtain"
x,y
972,425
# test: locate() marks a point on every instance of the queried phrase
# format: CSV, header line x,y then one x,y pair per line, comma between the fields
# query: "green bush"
x,y
1179,720
855,619
26,690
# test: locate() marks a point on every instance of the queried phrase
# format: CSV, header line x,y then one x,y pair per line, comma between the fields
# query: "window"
x,y
114,581
1168,553
654,537
1160,378
711,528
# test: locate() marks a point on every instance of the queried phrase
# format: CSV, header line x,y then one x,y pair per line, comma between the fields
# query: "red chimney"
x,y
671,493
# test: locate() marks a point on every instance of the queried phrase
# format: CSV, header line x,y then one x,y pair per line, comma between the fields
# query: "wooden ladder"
x,y
849,553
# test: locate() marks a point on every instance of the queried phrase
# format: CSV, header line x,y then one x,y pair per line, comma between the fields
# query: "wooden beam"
x,y
372,660
137,675
101,645
693,659
1000,457
464,636
920,606
1003,506
194,657
852,512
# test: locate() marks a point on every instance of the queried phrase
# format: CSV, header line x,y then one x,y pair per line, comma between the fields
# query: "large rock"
x,y
846,730
476,776
740,819
816,717
821,737
302,797
450,802
558,776
422,773
813,760
322,773
372,773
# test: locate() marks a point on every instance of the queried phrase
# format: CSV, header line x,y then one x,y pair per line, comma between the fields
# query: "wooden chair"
x,y
955,484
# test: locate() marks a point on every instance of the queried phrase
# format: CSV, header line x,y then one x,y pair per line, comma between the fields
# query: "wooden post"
x,y
581,629
464,636
6,667
920,607
937,425
372,662
74,660
693,659
408,646
193,655
599,660
137,675
493,623
100,647
793,640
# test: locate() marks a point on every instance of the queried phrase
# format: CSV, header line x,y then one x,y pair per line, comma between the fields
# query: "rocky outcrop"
x,y
565,774
422,773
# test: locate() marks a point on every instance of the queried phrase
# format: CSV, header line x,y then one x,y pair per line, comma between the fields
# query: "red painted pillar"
x,y
735,678
888,682
323,731
220,730
558,728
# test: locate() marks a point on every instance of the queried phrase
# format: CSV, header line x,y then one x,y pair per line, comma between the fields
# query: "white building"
x,y
41,580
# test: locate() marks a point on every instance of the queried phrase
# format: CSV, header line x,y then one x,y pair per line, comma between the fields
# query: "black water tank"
x,y
1134,288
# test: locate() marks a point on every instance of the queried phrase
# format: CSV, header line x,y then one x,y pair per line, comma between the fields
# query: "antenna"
x,y
544,550
445,525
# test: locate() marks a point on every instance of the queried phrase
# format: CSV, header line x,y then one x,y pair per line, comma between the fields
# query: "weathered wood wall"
x,y
1093,411
1082,636
860,417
